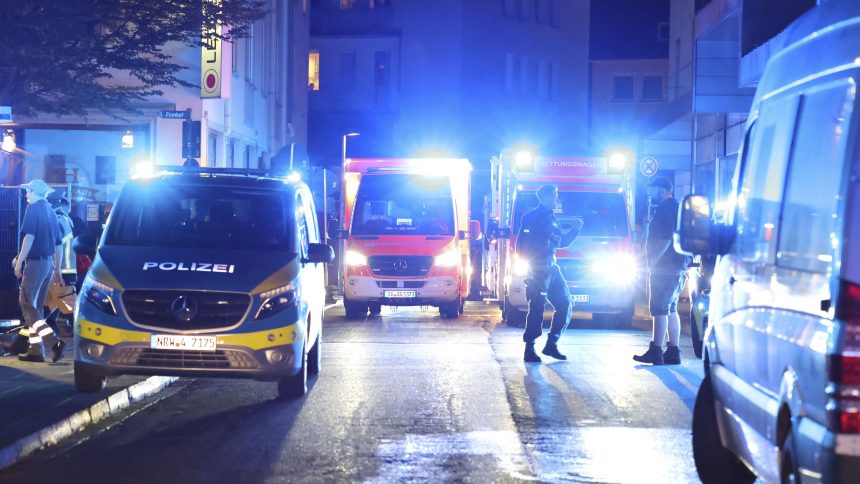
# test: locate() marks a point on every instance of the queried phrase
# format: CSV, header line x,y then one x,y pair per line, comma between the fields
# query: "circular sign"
x,y
210,80
648,166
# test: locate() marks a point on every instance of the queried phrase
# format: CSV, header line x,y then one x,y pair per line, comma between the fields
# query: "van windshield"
x,y
204,217
603,214
396,204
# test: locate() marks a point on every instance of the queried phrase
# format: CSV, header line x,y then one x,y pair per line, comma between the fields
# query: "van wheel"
x,y
714,463
375,309
694,334
354,310
788,471
513,316
297,385
87,381
314,356
451,310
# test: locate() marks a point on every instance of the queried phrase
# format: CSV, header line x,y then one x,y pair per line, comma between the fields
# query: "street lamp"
x,y
128,139
343,156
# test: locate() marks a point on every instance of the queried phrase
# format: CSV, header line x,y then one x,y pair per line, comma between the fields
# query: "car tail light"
x,y
844,368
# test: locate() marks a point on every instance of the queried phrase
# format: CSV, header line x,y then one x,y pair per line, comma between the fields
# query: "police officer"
x,y
537,241
666,276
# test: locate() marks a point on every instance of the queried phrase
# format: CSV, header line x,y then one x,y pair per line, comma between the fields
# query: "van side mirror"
x,y
320,253
84,244
695,230
475,230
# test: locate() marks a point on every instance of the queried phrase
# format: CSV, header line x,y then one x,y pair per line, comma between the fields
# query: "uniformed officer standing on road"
x,y
537,241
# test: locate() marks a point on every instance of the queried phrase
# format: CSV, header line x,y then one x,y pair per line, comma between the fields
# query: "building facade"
x,y
261,112
463,78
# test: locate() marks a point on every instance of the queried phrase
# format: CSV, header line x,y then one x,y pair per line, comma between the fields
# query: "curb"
x,y
76,422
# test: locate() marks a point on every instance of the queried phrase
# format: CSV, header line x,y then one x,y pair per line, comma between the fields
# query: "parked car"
x,y
205,273
781,393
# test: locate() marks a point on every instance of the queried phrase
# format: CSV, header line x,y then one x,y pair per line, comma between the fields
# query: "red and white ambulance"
x,y
600,267
407,234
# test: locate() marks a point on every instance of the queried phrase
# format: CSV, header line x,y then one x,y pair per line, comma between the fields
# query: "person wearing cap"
x,y
37,263
667,274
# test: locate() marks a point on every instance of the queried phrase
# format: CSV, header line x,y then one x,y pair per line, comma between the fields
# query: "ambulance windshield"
x,y
603,213
399,204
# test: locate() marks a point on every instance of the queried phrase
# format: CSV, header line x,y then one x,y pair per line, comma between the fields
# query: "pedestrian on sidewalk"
x,y
667,275
539,237
37,263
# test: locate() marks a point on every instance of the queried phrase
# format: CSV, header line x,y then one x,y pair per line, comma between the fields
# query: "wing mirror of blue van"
x,y
317,253
695,230
84,244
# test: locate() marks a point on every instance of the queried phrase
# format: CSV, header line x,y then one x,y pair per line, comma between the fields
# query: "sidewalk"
x,y
39,404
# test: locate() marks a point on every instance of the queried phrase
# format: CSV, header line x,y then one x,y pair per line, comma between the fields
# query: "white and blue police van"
x,y
205,272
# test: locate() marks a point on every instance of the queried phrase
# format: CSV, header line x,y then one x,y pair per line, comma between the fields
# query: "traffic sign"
x,y
175,114
648,166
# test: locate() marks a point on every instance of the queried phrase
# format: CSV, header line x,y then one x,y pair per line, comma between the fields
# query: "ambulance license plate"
x,y
176,342
579,298
399,294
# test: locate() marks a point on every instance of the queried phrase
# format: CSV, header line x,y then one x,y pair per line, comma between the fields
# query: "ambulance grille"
x,y
400,265
185,310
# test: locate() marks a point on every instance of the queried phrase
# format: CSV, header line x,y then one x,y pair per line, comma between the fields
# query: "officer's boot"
x,y
551,349
654,355
672,356
530,355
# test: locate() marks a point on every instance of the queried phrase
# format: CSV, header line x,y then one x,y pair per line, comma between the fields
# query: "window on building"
x,y
231,153
347,4
542,11
652,88
554,13
105,170
811,197
555,80
234,57
246,156
314,71
55,168
510,71
623,88
511,7
663,31
249,55
526,9
346,70
382,77
212,148
379,3
544,79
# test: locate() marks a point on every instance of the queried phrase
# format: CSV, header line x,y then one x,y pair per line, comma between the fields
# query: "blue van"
x,y
781,393
205,272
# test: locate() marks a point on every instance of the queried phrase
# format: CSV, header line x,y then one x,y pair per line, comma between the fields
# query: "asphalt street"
x,y
407,396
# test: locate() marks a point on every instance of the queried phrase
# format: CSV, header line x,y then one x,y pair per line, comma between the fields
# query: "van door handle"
x,y
732,280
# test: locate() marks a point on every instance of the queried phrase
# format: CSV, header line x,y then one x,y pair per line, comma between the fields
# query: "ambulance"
x,y
600,267
406,234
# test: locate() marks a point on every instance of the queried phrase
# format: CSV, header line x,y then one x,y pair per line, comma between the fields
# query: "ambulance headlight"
x,y
275,301
448,259
354,259
98,294
619,268
521,267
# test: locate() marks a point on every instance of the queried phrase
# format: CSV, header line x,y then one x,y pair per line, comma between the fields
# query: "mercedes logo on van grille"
x,y
400,264
184,309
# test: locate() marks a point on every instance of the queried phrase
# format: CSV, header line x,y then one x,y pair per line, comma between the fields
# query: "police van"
x,y
781,393
205,272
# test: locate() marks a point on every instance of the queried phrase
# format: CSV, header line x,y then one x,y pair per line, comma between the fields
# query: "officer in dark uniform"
x,y
537,241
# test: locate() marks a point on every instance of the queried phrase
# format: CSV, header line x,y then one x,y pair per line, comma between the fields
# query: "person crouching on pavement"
x,y
667,272
37,263
539,237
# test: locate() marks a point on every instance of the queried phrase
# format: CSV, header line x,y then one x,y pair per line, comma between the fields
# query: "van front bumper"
x,y
265,355
429,291
601,298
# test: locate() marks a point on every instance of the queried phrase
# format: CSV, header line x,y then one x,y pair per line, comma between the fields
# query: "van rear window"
x,y
205,217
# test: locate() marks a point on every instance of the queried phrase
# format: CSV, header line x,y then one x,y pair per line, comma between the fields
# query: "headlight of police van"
x,y
521,266
99,295
448,259
276,300
619,268
355,259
